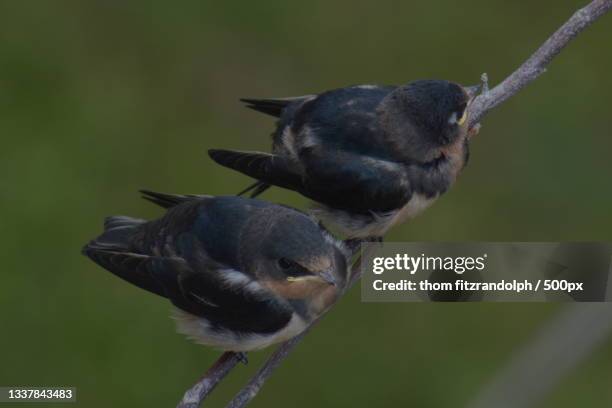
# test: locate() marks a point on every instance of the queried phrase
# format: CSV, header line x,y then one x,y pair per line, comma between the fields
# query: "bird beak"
x,y
329,277
473,91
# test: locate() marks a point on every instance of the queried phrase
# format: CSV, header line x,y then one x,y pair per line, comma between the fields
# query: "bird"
x,y
242,273
368,156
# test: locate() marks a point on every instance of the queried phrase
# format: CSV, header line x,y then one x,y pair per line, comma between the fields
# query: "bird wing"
x,y
265,167
272,106
132,267
355,182
341,115
193,282
344,180
223,296
344,118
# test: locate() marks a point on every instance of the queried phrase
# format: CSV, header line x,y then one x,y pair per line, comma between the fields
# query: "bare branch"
x,y
527,72
200,390
558,347
536,64
249,391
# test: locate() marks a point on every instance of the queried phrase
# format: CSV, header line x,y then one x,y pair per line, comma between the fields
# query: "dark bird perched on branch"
x,y
243,273
369,156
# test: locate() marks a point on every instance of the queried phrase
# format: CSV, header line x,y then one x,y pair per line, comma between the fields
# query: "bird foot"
x,y
242,357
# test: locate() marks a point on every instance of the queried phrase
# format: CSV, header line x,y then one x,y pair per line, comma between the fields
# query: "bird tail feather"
x,y
116,238
256,189
118,230
114,251
268,169
169,200
270,106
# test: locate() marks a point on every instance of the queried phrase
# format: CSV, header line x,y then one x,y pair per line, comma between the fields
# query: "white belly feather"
x,y
417,204
199,330
376,224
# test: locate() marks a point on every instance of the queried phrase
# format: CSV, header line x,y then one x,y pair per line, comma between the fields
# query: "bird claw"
x,y
242,357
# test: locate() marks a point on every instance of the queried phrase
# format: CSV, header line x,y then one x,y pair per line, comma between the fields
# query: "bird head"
x,y
423,116
297,259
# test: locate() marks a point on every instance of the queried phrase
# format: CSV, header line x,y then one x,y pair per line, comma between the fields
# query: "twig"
x,y
530,70
200,390
536,64
538,367
249,391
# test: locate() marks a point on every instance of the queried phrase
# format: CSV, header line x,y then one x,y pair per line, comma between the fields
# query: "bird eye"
x,y
292,269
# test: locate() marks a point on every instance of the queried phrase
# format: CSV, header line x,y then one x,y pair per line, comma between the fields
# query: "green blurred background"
x,y
101,98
